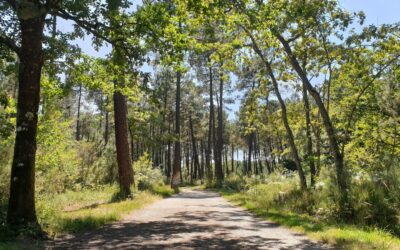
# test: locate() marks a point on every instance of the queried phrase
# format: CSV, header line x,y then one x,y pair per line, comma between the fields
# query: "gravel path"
x,y
189,220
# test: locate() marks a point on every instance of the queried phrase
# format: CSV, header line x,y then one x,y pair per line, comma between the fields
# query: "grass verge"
x,y
77,211
341,236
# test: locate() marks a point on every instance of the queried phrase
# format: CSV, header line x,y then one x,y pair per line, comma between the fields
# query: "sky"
x,y
377,12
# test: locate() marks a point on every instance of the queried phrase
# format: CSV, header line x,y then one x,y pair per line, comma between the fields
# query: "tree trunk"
x,y
232,158
132,141
78,116
244,165
273,159
125,170
341,175
201,173
260,165
237,158
21,204
309,152
168,170
250,145
186,150
211,132
289,133
219,173
106,128
226,160
176,171
194,148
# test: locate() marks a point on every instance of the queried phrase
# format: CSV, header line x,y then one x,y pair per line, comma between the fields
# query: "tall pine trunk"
x,y
125,170
106,125
124,160
194,149
168,169
250,146
176,169
78,115
232,158
219,173
210,141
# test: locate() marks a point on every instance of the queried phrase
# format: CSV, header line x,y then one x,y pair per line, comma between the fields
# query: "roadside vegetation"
x,y
87,208
278,198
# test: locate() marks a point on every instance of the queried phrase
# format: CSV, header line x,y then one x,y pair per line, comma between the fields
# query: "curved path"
x,y
189,220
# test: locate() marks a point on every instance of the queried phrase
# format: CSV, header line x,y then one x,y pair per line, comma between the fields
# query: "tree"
x,y
176,167
23,33
220,132
125,170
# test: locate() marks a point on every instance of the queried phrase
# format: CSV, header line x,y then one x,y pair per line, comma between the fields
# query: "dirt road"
x,y
189,220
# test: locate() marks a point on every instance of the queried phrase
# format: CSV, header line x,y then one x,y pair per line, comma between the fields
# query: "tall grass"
x,y
279,198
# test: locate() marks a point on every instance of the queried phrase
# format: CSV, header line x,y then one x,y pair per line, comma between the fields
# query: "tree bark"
x,y
106,126
232,158
194,148
250,145
125,170
21,204
124,160
168,170
176,170
226,160
211,132
201,173
132,142
219,173
309,152
78,116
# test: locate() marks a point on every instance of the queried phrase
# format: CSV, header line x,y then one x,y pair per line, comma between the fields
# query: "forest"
x,y
289,109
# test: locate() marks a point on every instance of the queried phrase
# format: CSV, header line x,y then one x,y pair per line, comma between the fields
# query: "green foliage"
x,y
234,183
147,177
56,155
373,207
282,202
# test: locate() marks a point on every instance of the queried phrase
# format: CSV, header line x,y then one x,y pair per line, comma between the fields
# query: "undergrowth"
x,y
313,212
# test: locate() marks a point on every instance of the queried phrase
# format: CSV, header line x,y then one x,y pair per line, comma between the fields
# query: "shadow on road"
x,y
193,229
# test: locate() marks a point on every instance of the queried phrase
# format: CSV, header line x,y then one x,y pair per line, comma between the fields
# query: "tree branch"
x,y
92,28
9,43
294,38
375,77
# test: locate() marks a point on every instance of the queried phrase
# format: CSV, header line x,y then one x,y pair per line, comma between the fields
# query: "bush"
x,y
374,200
56,161
372,207
146,176
234,182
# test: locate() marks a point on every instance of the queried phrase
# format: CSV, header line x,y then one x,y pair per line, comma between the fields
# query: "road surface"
x,y
192,219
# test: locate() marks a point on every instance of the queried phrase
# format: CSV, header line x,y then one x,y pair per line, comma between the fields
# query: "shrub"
x,y
372,207
146,176
234,182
